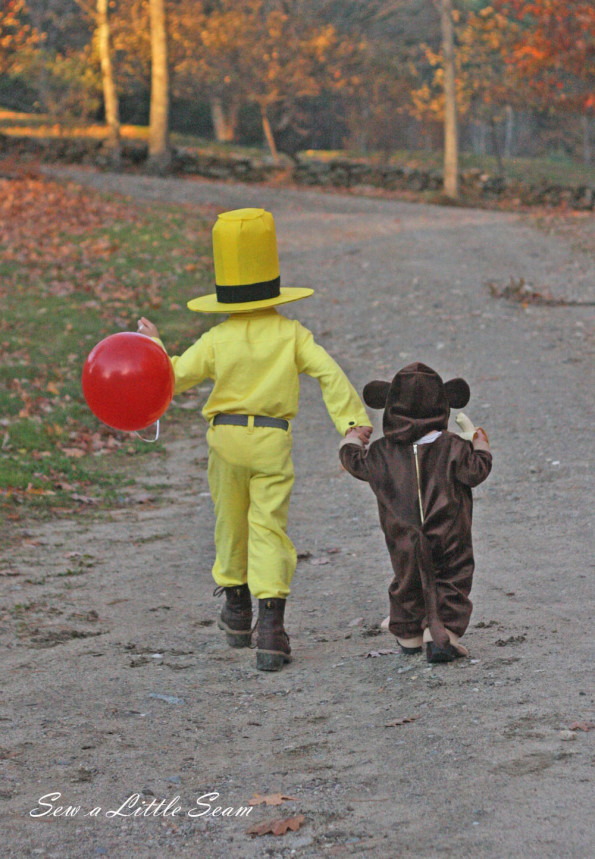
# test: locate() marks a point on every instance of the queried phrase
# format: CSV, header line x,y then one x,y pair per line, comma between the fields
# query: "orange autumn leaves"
x,y
278,825
39,223
16,34
553,51
539,54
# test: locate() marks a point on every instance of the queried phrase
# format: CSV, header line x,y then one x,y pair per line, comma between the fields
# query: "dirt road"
x,y
126,689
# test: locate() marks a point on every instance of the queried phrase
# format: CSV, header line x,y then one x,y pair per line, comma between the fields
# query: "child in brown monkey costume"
x,y
422,476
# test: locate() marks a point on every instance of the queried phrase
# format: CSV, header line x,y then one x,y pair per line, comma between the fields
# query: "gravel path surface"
x,y
126,686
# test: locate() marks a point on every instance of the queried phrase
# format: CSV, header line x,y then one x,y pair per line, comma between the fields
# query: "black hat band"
x,y
250,292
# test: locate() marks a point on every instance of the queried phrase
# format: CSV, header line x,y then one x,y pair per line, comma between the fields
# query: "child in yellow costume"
x,y
255,358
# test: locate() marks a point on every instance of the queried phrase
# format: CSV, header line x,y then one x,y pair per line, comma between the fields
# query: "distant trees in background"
x,y
552,58
296,74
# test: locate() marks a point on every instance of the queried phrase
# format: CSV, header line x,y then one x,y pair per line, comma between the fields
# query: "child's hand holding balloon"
x,y
147,327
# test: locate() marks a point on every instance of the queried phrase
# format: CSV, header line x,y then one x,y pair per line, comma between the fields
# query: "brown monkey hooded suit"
x,y
422,481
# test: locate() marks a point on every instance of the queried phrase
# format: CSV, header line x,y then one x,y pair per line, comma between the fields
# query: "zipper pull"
x,y
421,510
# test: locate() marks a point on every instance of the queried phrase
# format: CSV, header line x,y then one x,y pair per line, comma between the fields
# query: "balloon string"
x,y
150,440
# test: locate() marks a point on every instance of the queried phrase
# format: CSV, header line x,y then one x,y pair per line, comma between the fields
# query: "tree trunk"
x,y
451,134
509,131
483,138
363,133
586,121
159,151
110,96
497,150
224,120
478,137
268,133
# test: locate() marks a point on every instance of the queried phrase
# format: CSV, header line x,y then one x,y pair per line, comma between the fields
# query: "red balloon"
x,y
128,381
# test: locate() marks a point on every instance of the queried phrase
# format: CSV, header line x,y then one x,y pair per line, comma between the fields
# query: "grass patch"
x,y
76,266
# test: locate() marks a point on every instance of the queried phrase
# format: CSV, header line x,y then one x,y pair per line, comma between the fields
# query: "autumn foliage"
x,y
16,34
553,52
366,76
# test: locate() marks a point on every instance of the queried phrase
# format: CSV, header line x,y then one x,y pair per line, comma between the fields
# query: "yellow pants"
x,y
250,477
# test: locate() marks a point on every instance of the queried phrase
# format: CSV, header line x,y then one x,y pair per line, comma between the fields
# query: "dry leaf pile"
x,y
581,726
519,291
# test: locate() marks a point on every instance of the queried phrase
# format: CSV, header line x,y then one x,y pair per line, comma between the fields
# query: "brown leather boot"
x,y
236,615
273,649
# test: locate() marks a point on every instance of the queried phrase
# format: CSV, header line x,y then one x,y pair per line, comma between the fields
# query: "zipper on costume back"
x,y
421,510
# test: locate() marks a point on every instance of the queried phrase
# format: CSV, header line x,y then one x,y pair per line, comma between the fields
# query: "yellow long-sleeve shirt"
x,y
255,360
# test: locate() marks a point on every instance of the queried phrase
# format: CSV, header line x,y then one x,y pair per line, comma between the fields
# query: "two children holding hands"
x,y
421,474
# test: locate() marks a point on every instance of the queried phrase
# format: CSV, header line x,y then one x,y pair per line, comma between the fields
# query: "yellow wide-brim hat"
x,y
246,266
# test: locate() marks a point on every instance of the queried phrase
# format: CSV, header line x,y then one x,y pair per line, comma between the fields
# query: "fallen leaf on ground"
x,y
513,639
37,490
374,653
142,498
318,562
581,726
567,735
270,798
402,721
73,451
277,827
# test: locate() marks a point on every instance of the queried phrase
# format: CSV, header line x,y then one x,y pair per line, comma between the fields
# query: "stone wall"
x,y
477,187
475,184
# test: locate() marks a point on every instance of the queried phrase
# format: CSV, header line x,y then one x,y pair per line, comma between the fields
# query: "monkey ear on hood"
x,y
376,394
457,393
